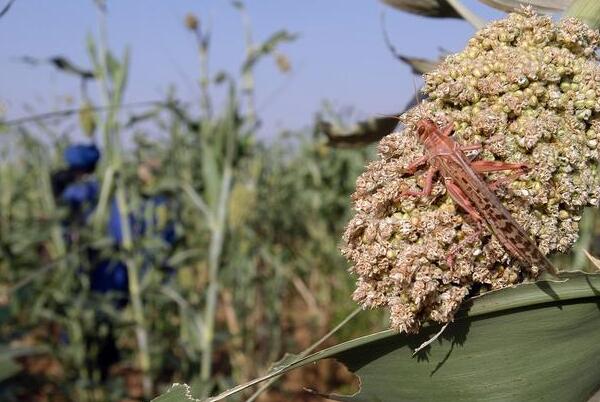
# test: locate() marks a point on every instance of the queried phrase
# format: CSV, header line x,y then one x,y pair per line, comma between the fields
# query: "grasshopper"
x,y
467,188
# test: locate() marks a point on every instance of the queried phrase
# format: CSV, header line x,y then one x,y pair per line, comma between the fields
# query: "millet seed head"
x,y
528,90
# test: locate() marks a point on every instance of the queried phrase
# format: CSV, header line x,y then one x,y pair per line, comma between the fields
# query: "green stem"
x,y
203,48
58,241
141,332
103,81
100,212
6,184
134,291
248,76
218,231
214,261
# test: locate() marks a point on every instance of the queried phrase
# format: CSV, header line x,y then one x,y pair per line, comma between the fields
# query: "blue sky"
x,y
340,54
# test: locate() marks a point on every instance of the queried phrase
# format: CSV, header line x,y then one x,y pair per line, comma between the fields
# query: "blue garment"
x,y
82,156
159,222
115,229
152,218
111,276
80,192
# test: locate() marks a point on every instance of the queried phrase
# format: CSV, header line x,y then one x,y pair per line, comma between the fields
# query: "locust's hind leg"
x,y
461,199
483,166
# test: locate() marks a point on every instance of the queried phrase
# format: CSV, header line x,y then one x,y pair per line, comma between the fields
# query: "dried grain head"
x,y
526,88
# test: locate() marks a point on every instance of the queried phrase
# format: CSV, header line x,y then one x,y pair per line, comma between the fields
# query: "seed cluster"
x,y
528,90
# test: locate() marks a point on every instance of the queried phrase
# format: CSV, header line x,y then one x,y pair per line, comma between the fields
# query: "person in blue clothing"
x,y
77,188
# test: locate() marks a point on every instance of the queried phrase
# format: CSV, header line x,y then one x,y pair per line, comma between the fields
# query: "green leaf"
x,y
586,10
112,64
177,393
427,8
120,70
210,173
532,342
8,366
542,6
93,55
267,47
528,343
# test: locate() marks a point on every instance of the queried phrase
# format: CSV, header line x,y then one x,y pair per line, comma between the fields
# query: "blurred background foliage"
x,y
198,255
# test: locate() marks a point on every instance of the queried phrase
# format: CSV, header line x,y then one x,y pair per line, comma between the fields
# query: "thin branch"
x,y
69,112
198,202
274,376
7,7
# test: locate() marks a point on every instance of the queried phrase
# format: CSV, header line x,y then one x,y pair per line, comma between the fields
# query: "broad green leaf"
x,y
587,11
532,342
528,343
427,8
542,6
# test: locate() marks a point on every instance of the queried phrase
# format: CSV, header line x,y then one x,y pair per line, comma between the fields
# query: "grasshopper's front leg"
x,y
416,164
428,184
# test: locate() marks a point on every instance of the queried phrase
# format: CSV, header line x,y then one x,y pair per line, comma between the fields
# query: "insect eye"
x,y
420,131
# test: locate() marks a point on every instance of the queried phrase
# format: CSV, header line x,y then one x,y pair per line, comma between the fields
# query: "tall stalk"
x,y
112,76
6,184
248,83
214,261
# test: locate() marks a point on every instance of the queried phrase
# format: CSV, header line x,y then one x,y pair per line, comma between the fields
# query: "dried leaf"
x,y
418,65
593,259
6,8
61,63
542,6
427,8
365,132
